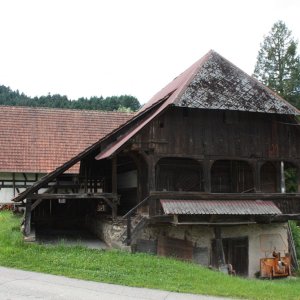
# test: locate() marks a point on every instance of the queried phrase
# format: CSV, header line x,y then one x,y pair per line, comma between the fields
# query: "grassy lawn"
x,y
139,270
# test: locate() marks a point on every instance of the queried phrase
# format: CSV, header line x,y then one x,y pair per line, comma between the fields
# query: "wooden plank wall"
x,y
206,133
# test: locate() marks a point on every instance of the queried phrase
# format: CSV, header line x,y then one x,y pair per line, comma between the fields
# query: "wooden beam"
x,y
72,196
36,203
256,167
216,223
219,247
161,219
113,207
128,239
285,217
224,196
114,180
27,221
14,184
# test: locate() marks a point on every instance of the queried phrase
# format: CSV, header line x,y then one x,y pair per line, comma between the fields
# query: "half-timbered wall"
x,y
13,183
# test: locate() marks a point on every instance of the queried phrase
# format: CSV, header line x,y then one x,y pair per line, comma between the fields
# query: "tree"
x,y
278,64
113,103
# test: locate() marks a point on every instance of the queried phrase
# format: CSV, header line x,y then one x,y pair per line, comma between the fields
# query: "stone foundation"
x,y
262,239
105,229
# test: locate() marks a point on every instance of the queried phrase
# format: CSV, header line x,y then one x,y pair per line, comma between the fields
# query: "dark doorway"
x,y
236,253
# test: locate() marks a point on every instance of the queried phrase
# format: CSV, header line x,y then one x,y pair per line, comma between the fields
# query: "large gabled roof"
x,y
215,83
38,140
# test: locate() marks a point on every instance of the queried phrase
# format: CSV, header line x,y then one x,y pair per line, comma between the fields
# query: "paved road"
x,y
24,285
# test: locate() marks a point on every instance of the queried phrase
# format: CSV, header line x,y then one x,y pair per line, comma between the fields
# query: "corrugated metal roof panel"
x,y
231,207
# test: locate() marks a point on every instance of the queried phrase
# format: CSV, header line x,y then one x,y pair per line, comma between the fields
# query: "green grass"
x,y
139,270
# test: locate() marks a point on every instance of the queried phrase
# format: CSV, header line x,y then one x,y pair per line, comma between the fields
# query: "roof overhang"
x,y
216,207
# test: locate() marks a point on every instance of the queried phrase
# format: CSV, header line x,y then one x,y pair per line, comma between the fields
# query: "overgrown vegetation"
x,y
291,180
131,269
114,103
296,236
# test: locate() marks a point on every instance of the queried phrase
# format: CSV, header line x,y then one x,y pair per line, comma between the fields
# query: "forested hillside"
x,y
121,103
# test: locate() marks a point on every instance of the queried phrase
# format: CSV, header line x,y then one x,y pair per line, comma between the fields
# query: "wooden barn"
x,y
198,173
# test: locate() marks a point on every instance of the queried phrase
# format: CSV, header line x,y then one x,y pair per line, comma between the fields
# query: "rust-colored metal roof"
x,y
213,207
38,140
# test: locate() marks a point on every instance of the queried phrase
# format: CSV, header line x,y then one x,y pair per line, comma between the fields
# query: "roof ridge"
x,y
201,62
174,84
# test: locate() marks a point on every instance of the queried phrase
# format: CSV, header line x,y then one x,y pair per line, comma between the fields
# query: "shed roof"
x,y
38,140
214,207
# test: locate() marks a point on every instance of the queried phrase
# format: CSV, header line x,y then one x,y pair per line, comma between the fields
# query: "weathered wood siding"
x,y
220,134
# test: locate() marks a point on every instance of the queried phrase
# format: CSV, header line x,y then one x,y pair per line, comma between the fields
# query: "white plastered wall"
x,y
8,193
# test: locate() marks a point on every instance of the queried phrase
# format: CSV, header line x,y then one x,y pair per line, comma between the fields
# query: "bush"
x,y
296,236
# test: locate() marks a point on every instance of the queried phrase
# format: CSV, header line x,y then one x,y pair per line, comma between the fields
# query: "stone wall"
x,y
262,238
106,230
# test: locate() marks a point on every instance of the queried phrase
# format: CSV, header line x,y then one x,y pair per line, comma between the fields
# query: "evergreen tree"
x,y
114,103
278,64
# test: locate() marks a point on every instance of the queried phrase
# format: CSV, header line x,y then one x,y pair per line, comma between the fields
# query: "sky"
x,y
84,48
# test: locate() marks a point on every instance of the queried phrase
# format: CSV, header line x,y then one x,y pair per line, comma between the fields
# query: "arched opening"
x,y
178,174
269,178
231,176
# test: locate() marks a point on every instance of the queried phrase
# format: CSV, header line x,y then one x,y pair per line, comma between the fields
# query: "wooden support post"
x,y
151,173
114,176
256,174
14,184
128,230
151,162
114,186
85,178
282,177
219,247
207,164
114,211
27,222
298,177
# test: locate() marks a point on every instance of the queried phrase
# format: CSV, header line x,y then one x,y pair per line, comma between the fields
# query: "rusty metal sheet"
x,y
175,247
213,207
